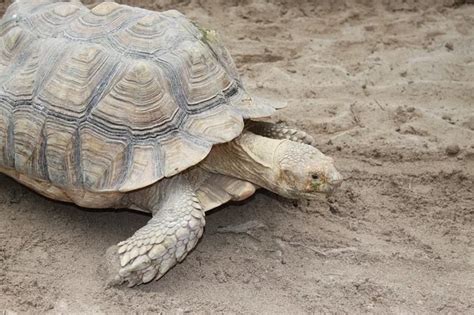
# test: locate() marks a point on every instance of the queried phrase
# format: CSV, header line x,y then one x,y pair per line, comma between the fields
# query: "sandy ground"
x,y
387,89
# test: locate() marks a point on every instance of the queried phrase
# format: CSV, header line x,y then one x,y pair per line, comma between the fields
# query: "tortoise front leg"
x,y
177,224
279,131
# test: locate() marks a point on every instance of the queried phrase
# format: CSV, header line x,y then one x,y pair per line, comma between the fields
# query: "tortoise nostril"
x,y
337,180
315,176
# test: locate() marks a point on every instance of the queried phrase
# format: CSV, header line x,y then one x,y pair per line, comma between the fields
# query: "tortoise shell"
x,y
112,98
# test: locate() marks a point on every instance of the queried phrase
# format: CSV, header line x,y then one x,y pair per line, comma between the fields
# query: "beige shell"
x,y
113,98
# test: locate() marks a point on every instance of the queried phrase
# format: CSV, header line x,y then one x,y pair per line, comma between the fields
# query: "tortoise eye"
x,y
315,176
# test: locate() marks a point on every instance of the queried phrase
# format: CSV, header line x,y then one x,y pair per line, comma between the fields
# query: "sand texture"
x,y
387,89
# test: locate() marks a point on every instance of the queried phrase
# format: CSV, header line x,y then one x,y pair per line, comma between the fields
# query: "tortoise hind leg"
x,y
174,230
280,131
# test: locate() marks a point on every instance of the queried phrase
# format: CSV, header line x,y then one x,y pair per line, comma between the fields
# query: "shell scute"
x,y
69,89
60,153
65,10
140,100
102,160
12,40
105,8
100,22
50,21
203,78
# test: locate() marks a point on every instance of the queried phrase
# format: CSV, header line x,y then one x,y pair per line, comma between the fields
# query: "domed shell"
x,y
113,98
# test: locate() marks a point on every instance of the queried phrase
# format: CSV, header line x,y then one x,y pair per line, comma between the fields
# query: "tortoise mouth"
x,y
312,194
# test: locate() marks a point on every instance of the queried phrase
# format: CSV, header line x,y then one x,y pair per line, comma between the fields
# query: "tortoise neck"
x,y
249,157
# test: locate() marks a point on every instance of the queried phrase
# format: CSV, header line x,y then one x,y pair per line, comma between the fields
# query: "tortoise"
x,y
119,107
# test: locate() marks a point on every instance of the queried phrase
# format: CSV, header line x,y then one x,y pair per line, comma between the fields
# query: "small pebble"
x,y
449,46
369,28
452,149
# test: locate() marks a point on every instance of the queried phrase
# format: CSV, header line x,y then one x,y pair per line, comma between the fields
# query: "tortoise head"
x,y
288,168
304,171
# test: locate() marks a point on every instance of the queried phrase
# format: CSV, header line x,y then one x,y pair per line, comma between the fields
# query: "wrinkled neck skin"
x,y
249,157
